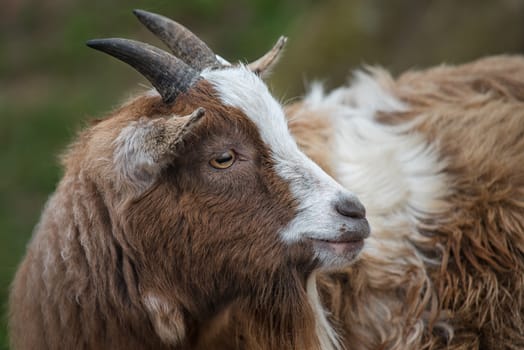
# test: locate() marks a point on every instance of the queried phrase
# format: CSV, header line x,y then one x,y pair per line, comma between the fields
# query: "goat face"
x,y
231,188
326,217
234,200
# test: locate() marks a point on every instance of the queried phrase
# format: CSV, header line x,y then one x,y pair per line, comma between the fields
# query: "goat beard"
x,y
276,317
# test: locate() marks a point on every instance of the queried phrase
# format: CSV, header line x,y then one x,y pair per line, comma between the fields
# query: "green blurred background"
x,y
51,83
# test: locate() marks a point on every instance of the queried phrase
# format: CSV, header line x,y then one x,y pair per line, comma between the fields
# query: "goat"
x,y
437,158
187,218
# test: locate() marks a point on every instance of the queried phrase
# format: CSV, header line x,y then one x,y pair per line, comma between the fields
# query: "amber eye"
x,y
223,161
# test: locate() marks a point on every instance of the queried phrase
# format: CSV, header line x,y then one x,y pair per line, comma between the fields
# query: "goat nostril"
x,y
350,207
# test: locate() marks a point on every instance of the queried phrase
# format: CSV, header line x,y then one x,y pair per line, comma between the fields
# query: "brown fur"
x,y
474,115
192,260
480,132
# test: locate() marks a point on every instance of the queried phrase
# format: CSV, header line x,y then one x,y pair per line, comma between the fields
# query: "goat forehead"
x,y
240,88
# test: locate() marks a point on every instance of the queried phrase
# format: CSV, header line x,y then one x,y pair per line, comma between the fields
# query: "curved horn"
x,y
168,74
180,40
265,62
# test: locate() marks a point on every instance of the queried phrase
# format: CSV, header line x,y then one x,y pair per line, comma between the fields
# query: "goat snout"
x,y
349,228
350,207
353,213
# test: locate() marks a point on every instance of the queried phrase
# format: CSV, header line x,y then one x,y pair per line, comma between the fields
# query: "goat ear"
x,y
264,64
146,146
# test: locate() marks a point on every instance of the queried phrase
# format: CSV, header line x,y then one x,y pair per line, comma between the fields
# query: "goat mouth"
x,y
347,249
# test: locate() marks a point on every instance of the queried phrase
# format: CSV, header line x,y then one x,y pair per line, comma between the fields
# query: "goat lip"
x,y
340,247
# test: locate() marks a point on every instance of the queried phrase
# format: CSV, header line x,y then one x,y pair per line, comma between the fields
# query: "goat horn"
x,y
180,40
168,74
261,65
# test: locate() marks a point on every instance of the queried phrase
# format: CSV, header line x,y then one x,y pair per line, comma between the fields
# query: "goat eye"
x,y
223,161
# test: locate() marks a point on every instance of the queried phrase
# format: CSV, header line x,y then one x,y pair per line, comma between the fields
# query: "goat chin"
x,y
436,156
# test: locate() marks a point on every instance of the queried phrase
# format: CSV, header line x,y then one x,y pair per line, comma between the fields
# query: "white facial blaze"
x,y
314,190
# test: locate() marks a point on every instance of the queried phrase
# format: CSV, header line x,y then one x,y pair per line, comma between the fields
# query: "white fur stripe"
x,y
328,338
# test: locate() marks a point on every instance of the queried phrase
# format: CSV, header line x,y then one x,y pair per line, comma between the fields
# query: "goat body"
x,y
437,158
